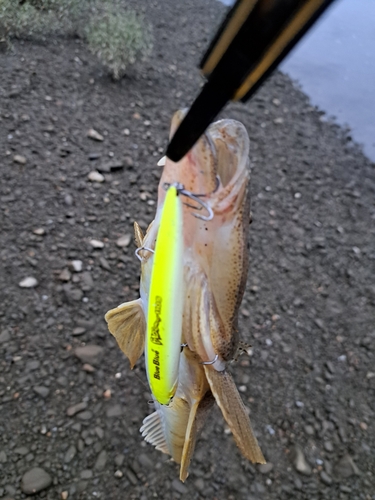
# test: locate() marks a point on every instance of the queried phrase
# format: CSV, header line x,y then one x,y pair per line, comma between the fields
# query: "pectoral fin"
x,y
233,410
128,325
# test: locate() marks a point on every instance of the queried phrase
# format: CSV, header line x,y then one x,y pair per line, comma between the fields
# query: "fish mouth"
x,y
217,162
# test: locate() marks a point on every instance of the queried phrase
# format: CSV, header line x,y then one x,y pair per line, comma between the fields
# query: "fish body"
x,y
215,223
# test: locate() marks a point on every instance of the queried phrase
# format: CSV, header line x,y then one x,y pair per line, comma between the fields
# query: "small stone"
x,y
65,275
145,461
124,241
91,354
29,282
88,368
119,460
70,454
72,293
265,468
41,391
39,231
76,265
22,450
107,394
325,478
278,121
309,429
104,264
96,244
363,426
114,411
35,480
101,460
346,467
111,166
87,281
328,446
86,474
95,176
179,487
118,474
21,160
93,134
3,457
74,409
299,461
64,495
78,331
4,336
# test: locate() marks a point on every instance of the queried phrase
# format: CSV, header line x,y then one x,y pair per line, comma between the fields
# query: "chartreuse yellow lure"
x,y
164,321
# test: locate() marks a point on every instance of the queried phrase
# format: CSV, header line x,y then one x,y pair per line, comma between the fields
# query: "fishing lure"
x,y
164,315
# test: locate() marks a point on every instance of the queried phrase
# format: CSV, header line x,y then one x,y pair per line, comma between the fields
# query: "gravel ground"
x,y
70,406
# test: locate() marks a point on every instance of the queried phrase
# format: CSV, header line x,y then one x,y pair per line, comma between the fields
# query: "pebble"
x,y
86,474
114,411
28,282
299,461
88,368
76,265
95,176
145,461
41,391
3,457
89,353
39,231
74,409
35,480
85,415
346,467
70,454
65,275
118,474
179,487
96,244
104,264
64,495
328,446
326,479
21,160
78,331
265,468
93,134
4,336
101,460
124,241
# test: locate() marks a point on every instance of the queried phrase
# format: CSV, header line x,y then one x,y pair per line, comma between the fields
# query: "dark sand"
x,y
308,311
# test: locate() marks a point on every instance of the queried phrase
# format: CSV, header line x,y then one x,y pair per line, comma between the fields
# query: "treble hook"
x,y
139,249
195,197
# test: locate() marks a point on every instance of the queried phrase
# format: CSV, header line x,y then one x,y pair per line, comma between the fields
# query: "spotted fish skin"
x,y
215,257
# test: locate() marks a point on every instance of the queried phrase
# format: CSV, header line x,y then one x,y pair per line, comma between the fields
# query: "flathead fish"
x,y
212,181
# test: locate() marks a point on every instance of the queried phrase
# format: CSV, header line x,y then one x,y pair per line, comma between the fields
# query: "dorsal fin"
x,y
127,324
138,235
233,410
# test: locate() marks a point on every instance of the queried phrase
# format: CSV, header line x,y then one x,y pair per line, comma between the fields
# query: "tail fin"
x,y
127,324
233,410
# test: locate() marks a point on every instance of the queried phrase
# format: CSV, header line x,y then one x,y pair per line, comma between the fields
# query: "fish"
x,y
213,182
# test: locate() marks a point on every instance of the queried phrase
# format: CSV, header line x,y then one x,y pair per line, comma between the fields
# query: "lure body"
x,y
164,319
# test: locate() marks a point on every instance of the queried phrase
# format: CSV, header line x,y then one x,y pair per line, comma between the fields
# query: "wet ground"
x,y
70,416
